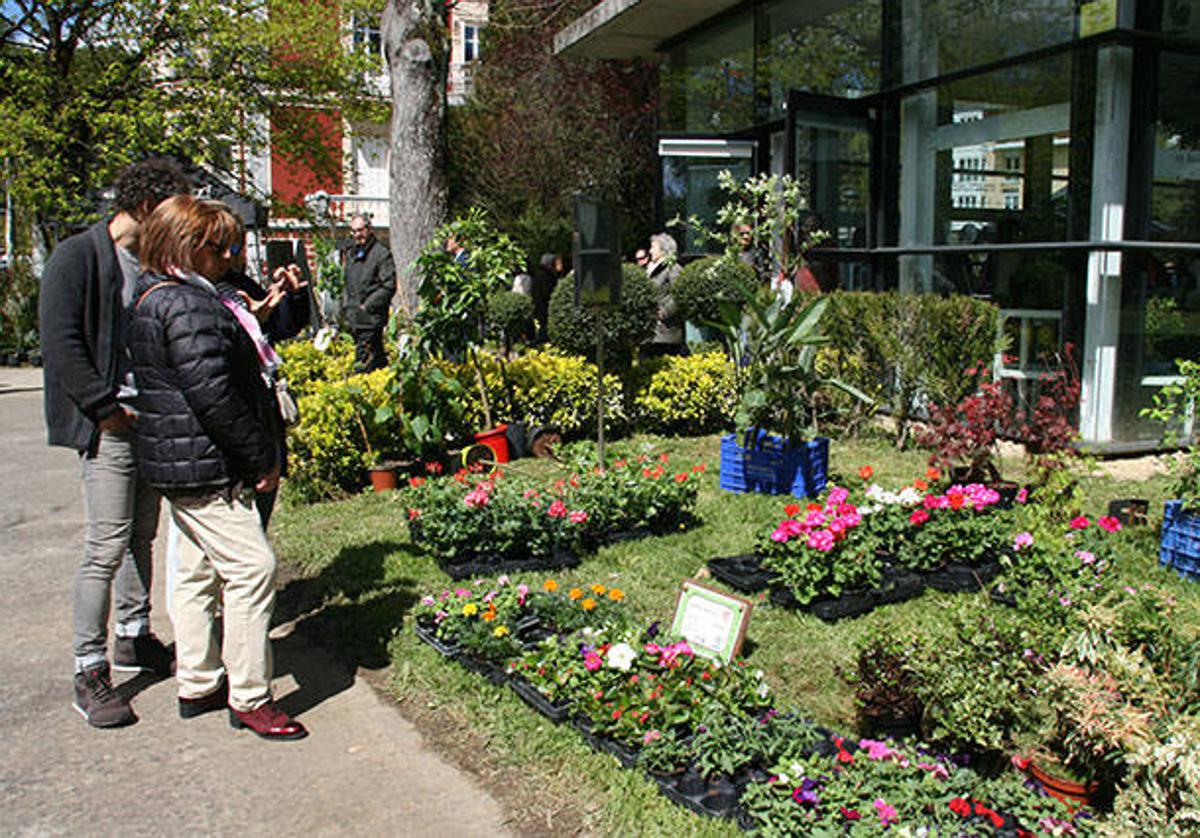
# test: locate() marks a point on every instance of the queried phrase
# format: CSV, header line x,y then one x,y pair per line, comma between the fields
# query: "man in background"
x,y
86,286
370,285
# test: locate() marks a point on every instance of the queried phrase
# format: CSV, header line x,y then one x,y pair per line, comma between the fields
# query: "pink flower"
x,y
1080,523
779,535
887,814
1024,539
1023,495
1085,557
577,516
427,600
461,592
918,517
1108,523
875,749
837,496
821,540
650,736
592,661
814,519
558,509
530,493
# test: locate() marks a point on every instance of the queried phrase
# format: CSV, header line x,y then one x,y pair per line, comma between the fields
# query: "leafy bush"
x,y
509,315
703,284
625,328
328,453
692,395
305,367
545,388
18,307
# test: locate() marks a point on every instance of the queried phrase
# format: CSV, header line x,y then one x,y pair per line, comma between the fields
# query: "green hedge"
x,y
688,396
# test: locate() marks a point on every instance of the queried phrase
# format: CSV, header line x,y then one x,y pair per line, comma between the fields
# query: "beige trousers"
x,y
223,541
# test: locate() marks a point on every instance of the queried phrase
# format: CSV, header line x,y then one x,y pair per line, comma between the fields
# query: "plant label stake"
x,y
597,266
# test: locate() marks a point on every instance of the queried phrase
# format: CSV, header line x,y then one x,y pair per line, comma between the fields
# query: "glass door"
x,y
830,155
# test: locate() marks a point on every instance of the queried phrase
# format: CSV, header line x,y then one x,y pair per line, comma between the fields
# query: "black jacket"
x,y
370,285
206,418
80,310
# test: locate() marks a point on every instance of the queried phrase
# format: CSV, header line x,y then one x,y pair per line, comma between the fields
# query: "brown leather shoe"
x,y
268,721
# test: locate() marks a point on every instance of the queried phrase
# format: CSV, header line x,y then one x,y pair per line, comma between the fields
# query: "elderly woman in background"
x,y
208,437
663,270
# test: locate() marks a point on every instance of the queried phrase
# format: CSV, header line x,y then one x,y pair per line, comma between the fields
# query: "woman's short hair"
x,y
172,235
665,243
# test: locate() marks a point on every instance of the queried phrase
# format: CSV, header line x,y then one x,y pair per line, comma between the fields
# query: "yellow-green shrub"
x,y
328,455
549,389
304,364
692,395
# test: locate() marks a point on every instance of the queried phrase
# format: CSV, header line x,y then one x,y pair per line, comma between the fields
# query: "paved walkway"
x,y
362,771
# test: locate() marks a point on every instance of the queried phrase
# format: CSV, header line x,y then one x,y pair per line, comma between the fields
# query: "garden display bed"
x,y
745,573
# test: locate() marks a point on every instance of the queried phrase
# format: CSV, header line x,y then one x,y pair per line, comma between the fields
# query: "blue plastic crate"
x,y
770,466
1179,548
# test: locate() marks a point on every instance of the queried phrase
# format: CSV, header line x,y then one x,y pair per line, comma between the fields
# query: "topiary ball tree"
x,y
509,315
703,284
625,328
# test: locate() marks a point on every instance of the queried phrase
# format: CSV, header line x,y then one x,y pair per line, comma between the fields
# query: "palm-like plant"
x,y
774,348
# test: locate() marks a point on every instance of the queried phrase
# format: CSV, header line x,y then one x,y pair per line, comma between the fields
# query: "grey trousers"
x,y
121,512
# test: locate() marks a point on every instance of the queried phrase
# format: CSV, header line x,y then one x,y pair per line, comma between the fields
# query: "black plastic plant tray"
x,y
494,567
428,636
898,585
849,604
714,798
626,755
557,712
742,572
495,674
953,578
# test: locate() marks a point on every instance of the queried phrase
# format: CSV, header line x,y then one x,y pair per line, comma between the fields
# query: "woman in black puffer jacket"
x,y
208,438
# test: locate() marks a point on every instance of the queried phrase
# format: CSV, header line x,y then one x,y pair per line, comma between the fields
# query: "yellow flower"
x,y
500,631
598,589
550,585
616,595
588,604
470,609
575,593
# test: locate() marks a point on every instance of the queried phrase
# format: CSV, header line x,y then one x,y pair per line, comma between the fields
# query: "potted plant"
x,y
454,292
1173,405
774,345
430,401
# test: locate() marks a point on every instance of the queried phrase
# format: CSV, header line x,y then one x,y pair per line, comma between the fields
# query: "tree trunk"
x,y
418,139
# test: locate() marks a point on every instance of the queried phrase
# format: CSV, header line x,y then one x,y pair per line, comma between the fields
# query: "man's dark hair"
x,y
143,186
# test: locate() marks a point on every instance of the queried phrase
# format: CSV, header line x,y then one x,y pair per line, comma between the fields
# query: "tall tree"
x,y
539,127
417,47
87,86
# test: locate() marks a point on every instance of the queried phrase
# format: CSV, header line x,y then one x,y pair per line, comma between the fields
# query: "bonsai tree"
x,y
774,348
454,289
625,327
704,284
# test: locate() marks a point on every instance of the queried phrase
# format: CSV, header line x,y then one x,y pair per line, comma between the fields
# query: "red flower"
x,y
664,457
433,468
960,807
850,814
866,472
918,517
619,464
699,468
414,513
1080,523
616,714
416,482
681,477
957,499
791,510
1108,523
932,474
844,756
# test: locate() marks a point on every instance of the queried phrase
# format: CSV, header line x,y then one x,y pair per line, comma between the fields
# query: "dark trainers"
x,y
268,721
97,700
190,708
144,653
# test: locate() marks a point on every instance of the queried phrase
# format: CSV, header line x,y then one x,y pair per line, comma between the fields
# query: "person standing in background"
x,y
370,286
663,270
86,285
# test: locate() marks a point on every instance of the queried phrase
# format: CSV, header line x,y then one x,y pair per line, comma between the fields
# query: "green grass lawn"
x,y
357,576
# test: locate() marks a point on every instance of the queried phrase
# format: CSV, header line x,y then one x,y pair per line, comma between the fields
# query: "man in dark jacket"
x,y
86,285
370,285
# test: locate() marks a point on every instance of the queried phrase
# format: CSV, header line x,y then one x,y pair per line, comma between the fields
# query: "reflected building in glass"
x,y
1043,154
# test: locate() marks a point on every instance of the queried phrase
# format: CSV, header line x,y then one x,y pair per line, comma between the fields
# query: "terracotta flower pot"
x,y
1070,792
383,477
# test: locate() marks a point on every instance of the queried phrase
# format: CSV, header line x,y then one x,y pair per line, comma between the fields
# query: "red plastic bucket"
x,y
497,440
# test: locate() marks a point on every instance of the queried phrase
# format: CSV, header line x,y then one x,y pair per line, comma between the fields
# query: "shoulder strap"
x,y
155,287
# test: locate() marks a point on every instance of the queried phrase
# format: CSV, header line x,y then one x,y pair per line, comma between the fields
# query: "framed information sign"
x,y
711,621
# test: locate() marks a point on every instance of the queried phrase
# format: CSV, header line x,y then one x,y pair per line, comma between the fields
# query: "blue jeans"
x,y
121,512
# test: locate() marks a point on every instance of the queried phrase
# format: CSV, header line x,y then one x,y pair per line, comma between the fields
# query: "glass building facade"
x,y
1043,154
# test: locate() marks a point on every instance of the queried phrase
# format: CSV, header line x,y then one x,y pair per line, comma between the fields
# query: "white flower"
x,y
621,656
763,690
758,673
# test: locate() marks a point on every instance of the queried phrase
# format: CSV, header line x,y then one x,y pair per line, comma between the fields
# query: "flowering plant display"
x,y
871,787
815,551
570,608
483,617
473,516
962,524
